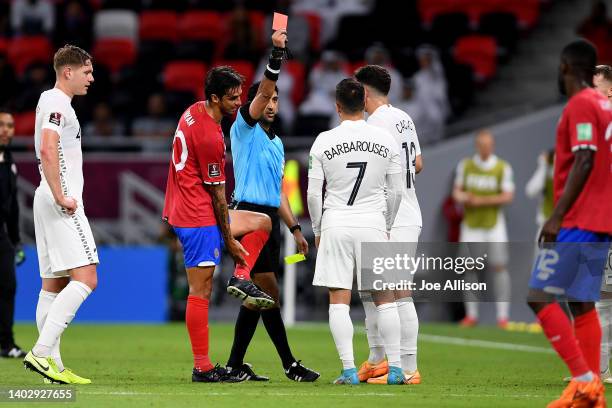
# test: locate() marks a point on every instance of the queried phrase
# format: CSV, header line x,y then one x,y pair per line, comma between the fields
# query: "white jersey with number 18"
x,y
401,127
354,159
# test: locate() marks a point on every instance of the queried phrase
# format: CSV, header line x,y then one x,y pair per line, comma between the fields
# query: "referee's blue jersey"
x,y
258,162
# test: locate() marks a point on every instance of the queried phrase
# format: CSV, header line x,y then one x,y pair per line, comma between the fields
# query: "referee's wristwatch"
x,y
294,228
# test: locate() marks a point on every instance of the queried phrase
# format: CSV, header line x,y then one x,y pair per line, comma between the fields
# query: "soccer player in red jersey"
x,y
195,206
583,204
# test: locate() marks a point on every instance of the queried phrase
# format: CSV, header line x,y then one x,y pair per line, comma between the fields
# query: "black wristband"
x,y
294,228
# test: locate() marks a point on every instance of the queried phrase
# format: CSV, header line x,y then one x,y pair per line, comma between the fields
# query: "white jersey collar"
x,y
485,164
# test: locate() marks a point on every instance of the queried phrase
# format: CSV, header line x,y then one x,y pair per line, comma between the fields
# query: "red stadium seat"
x,y
477,8
114,53
158,25
245,68
23,51
185,76
257,19
479,52
24,123
298,72
4,44
314,27
527,12
201,25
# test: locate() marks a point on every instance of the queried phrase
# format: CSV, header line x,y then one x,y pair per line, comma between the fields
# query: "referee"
x,y
10,248
258,157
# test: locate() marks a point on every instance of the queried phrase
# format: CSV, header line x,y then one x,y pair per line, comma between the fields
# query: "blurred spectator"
x,y
243,38
156,123
410,105
103,123
540,185
377,54
322,81
597,28
74,24
37,79
32,17
431,96
286,108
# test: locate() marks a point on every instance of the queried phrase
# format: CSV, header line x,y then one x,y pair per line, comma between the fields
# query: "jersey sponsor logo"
x,y
359,146
214,170
404,125
55,118
584,132
481,182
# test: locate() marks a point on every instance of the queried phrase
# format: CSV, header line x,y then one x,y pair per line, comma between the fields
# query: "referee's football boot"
x,y
245,373
246,290
46,367
297,372
215,374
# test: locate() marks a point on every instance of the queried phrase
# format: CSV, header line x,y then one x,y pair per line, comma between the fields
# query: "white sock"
x,y
341,328
45,300
409,322
62,311
375,342
390,330
503,286
603,310
471,310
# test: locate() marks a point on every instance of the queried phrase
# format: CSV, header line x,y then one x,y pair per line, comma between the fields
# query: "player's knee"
x,y
91,282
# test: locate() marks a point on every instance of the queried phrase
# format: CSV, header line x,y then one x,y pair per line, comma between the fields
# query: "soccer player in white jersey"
x,y
67,254
406,228
357,161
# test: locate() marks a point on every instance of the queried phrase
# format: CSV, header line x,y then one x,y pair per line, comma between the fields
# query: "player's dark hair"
x,y
581,56
220,80
4,109
253,91
70,55
605,71
375,77
350,95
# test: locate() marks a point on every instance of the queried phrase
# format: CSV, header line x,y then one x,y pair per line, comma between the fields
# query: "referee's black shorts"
x,y
269,258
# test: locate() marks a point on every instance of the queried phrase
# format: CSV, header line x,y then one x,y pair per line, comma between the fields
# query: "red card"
x,y
279,22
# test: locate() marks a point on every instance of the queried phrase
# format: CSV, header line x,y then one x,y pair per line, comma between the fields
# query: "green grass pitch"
x,y
150,366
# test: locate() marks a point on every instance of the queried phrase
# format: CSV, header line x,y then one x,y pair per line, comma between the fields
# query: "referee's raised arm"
x,y
268,83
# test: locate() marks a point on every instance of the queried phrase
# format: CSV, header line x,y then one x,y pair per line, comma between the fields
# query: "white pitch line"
x,y
459,341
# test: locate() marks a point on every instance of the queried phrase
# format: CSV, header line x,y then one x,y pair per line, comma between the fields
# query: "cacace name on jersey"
x,y
354,159
586,123
54,112
400,125
198,158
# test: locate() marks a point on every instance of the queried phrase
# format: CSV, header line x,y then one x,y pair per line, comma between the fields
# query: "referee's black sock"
x,y
276,330
246,324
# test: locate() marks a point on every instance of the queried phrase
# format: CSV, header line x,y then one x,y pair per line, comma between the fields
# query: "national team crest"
x,y
214,170
55,118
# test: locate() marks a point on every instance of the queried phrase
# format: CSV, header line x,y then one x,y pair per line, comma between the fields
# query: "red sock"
x,y
588,334
558,329
196,317
253,242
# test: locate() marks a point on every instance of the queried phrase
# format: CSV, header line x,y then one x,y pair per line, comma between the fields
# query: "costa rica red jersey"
x,y
198,158
586,123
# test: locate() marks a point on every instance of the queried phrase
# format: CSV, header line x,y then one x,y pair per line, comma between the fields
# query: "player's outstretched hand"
x,y
237,252
550,230
68,203
279,38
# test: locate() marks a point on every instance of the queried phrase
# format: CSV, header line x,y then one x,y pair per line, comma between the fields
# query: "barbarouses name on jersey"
x,y
449,285
358,146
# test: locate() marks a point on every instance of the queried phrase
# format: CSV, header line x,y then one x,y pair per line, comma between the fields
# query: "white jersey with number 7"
x,y
354,159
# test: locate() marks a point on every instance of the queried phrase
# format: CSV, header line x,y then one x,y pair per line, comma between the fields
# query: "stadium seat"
x,y
24,123
475,9
4,44
23,51
314,26
257,19
158,26
116,24
114,53
479,52
298,72
446,28
201,25
185,76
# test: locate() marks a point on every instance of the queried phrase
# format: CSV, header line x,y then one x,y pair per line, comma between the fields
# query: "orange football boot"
x,y
409,378
368,370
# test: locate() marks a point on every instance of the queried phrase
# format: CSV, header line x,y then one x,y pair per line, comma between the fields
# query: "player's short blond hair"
x,y
70,55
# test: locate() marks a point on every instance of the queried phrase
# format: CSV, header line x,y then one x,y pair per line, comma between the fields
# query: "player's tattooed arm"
x,y
49,160
220,208
577,178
